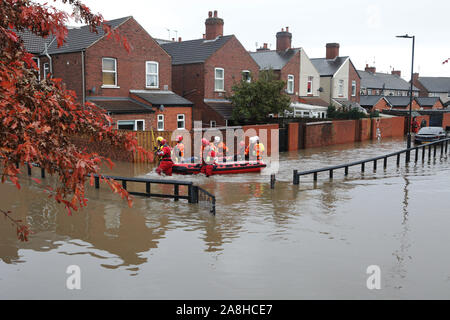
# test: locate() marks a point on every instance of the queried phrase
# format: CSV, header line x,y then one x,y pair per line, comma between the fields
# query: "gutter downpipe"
x,y
49,57
83,78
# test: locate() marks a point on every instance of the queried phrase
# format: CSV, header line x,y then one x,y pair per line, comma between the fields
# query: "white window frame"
x,y
184,120
340,88
353,88
216,79
109,71
38,63
212,124
135,123
309,88
290,80
46,66
147,73
249,75
448,94
159,119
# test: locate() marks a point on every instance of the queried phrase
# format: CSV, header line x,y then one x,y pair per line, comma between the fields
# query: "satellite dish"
x,y
320,89
161,108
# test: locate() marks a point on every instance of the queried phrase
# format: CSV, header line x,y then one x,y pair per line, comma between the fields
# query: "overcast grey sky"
x,y
365,29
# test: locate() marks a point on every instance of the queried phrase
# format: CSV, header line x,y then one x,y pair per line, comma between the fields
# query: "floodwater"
x,y
313,241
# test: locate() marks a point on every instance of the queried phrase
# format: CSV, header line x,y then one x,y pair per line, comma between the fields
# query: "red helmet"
x,y
242,143
205,142
179,138
163,141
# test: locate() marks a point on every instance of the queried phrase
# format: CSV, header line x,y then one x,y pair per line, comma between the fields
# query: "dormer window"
x,y
109,70
152,74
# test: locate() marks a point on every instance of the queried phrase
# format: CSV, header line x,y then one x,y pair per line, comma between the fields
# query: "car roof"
x,y
431,130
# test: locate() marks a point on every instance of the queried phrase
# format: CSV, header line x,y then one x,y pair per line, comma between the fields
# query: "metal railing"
x,y
432,148
194,193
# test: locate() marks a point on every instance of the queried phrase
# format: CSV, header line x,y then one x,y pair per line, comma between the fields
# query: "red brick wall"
x,y
68,67
446,120
293,68
293,136
233,58
389,127
170,117
130,66
320,134
353,75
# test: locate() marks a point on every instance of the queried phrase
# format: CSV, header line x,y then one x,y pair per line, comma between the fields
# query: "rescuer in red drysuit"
x,y
165,154
208,157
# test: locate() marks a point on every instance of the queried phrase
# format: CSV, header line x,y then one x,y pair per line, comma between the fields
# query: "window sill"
x,y
220,91
109,87
152,87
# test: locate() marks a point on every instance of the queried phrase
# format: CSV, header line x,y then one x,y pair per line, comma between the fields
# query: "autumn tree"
x,y
254,101
38,118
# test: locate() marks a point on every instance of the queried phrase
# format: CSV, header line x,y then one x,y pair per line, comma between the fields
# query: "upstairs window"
x,y
109,70
160,122
341,88
180,121
309,88
246,76
38,73
353,88
152,74
290,84
46,69
219,79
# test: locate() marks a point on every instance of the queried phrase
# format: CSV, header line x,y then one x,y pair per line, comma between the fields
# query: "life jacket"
x,y
165,153
180,148
258,150
222,148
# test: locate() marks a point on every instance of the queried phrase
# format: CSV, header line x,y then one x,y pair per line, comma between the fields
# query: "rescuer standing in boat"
x,y
178,150
221,148
258,149
165,154
241,152
208,155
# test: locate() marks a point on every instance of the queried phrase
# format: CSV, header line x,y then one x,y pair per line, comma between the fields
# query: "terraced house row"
x,y
168,84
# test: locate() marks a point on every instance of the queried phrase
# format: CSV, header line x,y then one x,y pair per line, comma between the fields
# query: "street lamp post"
x,y
408,143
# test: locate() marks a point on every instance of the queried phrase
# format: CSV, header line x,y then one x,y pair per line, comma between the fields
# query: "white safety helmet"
x,y
216,139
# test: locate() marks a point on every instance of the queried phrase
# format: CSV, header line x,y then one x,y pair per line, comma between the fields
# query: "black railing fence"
x,y
432,149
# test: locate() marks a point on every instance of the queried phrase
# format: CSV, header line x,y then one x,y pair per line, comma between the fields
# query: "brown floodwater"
x,y
310,241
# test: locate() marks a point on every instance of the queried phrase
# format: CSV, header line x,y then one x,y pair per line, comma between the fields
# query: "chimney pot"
x,y
287,29
173,39
179,39
265,46
214,26
210,14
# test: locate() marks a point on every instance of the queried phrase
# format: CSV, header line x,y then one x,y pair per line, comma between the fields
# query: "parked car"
x,y
429,134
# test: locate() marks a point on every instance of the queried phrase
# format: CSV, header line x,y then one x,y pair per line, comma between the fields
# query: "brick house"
x,y
374,103
133,87
293,66
402,103
430,103
384,84
204,71
433,87
339,78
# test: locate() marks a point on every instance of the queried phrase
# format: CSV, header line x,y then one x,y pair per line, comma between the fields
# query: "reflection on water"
x,y
309,241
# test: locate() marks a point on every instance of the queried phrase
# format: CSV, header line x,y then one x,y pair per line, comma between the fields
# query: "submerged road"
x,y
294,242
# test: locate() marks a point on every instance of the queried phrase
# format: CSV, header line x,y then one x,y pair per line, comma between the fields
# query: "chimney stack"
x,y
284,39
332,50
397,73
179,39
370,69
415,77
263,48
214,26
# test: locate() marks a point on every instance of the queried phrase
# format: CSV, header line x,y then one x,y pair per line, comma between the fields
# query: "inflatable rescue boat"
x,y
220,168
